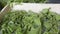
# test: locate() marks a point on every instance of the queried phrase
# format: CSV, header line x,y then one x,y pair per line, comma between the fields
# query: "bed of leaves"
x,y
22,22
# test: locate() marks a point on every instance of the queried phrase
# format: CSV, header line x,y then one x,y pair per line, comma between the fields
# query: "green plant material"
x,y
49,22
22,22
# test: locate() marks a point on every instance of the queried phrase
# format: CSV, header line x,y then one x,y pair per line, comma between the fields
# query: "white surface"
x,y
37,7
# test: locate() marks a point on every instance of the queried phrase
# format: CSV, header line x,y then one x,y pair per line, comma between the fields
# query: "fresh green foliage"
x,y
49,22
22,22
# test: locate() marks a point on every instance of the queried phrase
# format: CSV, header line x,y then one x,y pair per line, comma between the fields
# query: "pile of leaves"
x,y
22,22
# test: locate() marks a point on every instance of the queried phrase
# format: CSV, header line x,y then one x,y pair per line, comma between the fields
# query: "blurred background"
x,y
53,1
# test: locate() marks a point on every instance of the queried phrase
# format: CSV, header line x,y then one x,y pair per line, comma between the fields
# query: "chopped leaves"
x,y
22,22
